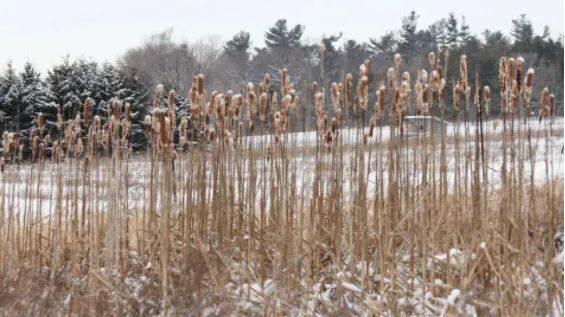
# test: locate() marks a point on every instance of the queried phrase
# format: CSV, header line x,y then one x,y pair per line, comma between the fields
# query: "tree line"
x,y
230,65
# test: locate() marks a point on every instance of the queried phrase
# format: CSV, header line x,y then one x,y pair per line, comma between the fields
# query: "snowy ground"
x,y
303,161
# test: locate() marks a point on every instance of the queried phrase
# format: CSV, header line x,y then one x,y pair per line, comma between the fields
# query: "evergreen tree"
x,y
35,97
523,33
279,36
11,112
72,83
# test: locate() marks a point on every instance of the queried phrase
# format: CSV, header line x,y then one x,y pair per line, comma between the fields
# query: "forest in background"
x,y
229,66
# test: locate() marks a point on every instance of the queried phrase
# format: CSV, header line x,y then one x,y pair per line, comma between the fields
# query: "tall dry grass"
x,y
228,212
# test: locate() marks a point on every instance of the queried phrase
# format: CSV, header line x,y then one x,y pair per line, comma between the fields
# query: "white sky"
x,y
44,31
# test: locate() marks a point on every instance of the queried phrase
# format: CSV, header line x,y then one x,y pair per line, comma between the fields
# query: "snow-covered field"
x,y
29,197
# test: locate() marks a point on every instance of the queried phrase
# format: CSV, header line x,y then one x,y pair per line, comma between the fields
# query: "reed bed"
x,y
229,213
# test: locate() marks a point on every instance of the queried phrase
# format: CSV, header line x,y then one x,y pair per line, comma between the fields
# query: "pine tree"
x,y
279,36
35,97
72,83
523,33
10,99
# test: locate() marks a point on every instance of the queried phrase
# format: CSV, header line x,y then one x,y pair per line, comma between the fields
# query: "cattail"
x,y
348,89
441,92
502,75
335,95
418,87
319,101
284,81
397,60
127,109
116,108
519,65
171,100
363,92
528,83
314,87
273,100
544,106
379,104
404,93
263,106
529,78
463,76
200,84
87,111
362,70
237,101
157,97
59,122
510,69
424,76
391,77
251,101
41,121
456,95
432,59
425,101
161,119
487,97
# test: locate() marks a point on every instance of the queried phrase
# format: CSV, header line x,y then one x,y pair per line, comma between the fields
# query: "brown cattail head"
x,y
519,76
348,89
391,77
41,120
116,108
127,111
164,133
363,92
237,102
59,122
397,60
456,96
251,100
284,81
171,100
432,59
87,111
200,84
463,76
267,80
510,68
335,95
544,106
529,78
263,106
424,76
157,96
487,96
502,75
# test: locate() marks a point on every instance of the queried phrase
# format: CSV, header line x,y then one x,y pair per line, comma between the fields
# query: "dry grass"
x,y
434,224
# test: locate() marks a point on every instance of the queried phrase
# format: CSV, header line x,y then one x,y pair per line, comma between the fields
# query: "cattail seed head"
x,y
544,105
363,92
157,96
41,120
432,59
391,77
263,106
529,78
87,111
200,84
397,60
519,66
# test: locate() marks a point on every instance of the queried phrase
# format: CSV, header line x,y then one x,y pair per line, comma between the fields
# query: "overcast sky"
x,y
43,32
